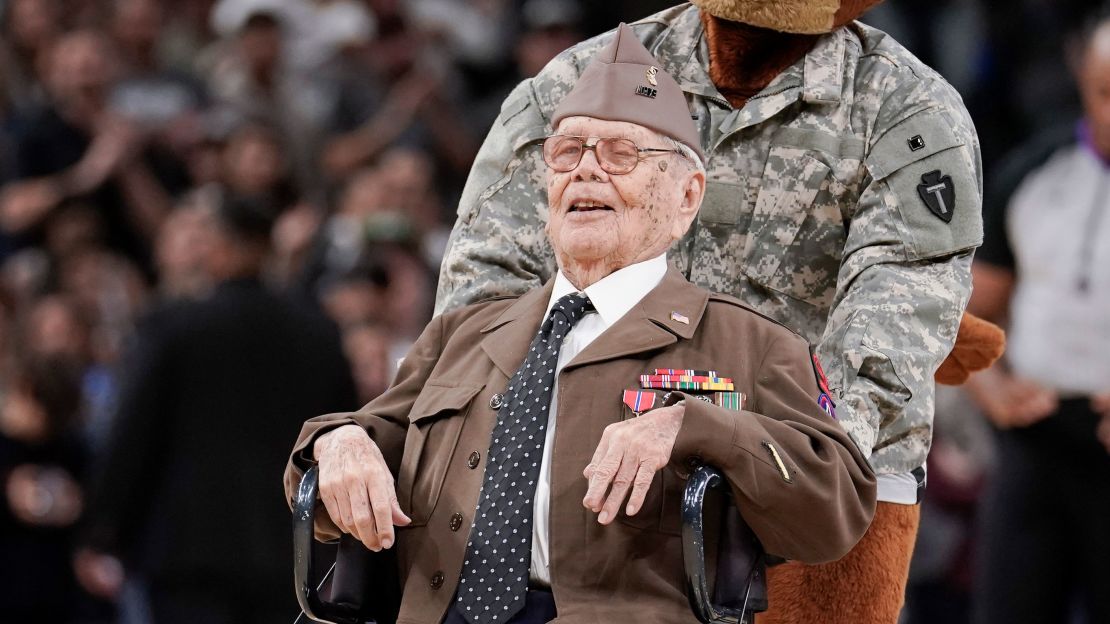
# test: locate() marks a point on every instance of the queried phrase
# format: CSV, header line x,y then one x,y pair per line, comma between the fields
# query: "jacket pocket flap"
x,y
436,399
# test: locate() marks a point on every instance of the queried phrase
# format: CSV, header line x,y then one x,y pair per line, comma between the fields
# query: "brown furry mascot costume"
x,y
751,42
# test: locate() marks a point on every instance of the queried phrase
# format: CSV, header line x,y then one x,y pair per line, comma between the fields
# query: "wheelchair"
x,y
740,589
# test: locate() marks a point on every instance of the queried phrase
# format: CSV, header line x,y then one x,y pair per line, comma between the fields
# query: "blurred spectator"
x,y
547,28
476,33
370,248
213,391
256,168
42,460
165,102
78,147
370,351
181,250
252,78
315,29
398,90
30,27
1043,270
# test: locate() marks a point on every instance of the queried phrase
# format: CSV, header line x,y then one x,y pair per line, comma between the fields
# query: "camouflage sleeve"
x,y
498,245
904,280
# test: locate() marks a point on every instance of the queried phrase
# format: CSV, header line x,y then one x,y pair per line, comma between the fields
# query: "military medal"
x,y
639,401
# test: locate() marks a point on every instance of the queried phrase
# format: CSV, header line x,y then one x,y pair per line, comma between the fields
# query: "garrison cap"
x,y
624,82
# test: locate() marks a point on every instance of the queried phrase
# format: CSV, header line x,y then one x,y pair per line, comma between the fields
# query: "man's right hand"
x,y
1009,401
357,487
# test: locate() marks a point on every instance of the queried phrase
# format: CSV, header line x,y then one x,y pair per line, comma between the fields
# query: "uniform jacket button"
x,y
693,461
472,461
437,580
456,521
496,401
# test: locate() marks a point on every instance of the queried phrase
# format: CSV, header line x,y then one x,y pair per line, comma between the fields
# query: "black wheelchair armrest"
x,y
740,589
304,568
364,587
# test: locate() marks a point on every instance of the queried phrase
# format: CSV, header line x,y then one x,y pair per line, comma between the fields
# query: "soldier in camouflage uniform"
x,y
842,200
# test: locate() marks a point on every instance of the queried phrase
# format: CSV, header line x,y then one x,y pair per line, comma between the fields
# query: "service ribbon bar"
x,y
729,400
639,401
685,372
668,382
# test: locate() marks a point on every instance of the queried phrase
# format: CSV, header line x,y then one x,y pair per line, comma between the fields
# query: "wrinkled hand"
x,y
357,487
1100,403
628,456
1010,401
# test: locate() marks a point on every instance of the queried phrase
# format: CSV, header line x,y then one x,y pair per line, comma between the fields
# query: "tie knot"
x,y
573,306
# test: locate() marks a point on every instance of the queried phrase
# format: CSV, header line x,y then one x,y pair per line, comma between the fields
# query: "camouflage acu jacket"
x,y
843,200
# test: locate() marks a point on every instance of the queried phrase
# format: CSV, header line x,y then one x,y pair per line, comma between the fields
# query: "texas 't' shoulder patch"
x,y
931,173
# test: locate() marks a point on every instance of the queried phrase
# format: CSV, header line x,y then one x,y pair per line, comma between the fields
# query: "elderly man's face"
x,y
617,220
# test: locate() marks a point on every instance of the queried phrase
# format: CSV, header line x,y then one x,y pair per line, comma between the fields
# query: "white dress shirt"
x,y
612,296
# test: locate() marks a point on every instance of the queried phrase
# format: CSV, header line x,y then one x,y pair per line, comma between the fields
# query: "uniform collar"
x,y
671,312
617,293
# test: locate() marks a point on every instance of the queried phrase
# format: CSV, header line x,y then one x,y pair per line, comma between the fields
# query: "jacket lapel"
x,y
507,338
654,323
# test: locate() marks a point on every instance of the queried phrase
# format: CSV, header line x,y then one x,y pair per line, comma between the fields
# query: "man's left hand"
x,y
628,456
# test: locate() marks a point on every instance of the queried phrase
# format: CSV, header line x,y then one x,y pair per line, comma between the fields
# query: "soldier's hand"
x,y
357,487
627,457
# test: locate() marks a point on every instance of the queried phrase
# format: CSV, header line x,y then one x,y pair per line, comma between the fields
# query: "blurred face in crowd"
x,y
137,24
260,43
74,228
353,302
184,242
81,68
364,194
254,161
600,222
32,23
406,170
54,328
1094,88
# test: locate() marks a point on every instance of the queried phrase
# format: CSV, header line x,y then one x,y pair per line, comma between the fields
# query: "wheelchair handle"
x,y
693,552
304,534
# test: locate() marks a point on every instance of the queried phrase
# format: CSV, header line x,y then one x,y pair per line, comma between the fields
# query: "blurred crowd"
x,y
127,127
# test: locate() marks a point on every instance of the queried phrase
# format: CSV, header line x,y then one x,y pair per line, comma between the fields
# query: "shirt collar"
x,y
615,294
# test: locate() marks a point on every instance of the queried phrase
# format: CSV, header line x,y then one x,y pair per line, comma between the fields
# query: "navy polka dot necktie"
x,y
495,574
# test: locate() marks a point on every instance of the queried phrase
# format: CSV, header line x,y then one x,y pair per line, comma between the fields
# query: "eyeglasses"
x,y
616,156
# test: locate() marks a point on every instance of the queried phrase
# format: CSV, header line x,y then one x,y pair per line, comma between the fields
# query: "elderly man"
x,y
573,435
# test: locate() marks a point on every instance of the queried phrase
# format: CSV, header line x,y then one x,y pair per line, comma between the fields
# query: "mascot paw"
x,y
978,344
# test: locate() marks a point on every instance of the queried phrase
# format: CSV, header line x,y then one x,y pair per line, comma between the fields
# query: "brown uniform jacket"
x,y
433,427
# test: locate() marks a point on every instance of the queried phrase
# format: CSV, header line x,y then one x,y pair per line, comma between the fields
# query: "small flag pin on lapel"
x,y
675,316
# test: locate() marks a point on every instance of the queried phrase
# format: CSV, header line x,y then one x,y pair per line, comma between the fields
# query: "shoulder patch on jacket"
x,y
930,171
